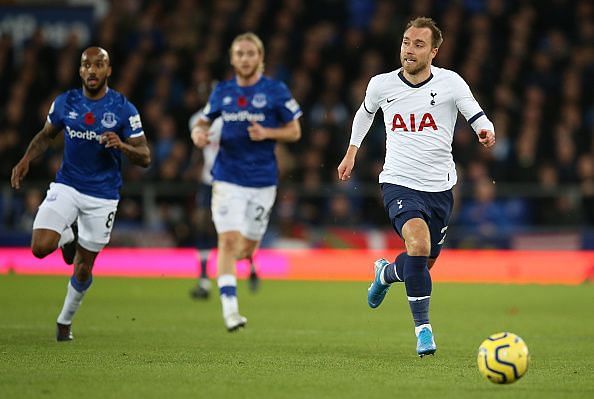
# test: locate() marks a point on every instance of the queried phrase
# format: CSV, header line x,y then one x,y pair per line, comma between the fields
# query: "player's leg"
x,y
229,204
202,288
51,228
96,219
401,204
76,289
257,218
417,280
205,241
394,272
248,249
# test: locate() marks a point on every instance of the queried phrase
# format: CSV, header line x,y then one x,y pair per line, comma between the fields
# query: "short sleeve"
x,y
56,112
371,100
212,109
132,125
288,107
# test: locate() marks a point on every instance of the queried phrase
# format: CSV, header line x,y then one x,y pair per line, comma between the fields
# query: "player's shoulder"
x,y
384,77
273,85
73,96
116,97
119,101
226,84
445,74
382,81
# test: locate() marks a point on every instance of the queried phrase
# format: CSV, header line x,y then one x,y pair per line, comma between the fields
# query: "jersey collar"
x,y
415,86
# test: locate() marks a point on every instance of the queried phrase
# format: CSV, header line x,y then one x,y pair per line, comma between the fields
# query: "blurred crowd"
x,y
529,63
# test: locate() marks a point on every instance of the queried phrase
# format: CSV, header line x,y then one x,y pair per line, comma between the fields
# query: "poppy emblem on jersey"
x,y
242,101
89,118
259,100
108,120
433,97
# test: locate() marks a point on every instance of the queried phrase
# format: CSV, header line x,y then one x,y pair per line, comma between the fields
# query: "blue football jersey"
x,y
87,165
240,160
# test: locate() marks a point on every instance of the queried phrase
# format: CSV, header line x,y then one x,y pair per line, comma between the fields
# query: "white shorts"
x,y
63,205
243,209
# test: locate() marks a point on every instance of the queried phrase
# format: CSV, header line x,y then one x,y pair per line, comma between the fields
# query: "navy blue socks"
x,y
418,287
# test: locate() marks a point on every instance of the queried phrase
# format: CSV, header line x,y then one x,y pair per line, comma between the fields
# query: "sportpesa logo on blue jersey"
x,y
86,135
242,116
88,166
242,160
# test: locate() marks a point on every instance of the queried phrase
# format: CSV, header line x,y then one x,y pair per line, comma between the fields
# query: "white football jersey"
x,y
419,122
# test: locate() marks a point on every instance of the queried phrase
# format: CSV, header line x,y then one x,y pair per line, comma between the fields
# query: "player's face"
x,y
416,51
246,59
94,70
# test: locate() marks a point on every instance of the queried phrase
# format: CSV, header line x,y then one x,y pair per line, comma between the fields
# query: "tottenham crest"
x,y
109,120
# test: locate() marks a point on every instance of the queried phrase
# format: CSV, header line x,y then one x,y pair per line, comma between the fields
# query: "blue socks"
x,y
414,272
394,272
420,311
418,287
228,290
81,286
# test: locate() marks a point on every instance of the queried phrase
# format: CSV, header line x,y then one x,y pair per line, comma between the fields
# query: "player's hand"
x,y
346,167
200,137
257,132
111,140
19,171
486,138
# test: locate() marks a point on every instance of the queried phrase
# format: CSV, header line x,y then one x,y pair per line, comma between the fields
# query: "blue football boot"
x,y
425,342
377,291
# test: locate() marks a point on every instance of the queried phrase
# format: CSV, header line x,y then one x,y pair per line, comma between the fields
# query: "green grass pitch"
x,y
146,338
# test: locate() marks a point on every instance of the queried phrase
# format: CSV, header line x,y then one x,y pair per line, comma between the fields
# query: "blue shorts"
x,y
403,203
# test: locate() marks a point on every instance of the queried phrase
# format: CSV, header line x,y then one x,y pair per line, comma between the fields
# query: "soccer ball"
x,y
503,358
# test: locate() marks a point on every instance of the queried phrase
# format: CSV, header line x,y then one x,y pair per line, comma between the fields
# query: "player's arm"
x,y
288,133
361,124
136,148
473,112
200,132
37,147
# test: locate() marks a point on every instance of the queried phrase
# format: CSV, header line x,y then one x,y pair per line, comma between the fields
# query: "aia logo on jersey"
x,y
426,122
89,118
242,101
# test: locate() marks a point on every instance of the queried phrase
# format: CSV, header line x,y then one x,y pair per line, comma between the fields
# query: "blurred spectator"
x,y
531,64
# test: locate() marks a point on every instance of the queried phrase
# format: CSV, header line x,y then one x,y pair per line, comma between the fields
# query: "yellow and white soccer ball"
x,y
503,358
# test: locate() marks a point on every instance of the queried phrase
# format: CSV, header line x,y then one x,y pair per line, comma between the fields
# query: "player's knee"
x,y
40,249
228,243
418,247
245,252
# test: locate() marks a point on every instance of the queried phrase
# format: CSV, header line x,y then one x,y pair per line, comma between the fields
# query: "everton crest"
x,y
109,120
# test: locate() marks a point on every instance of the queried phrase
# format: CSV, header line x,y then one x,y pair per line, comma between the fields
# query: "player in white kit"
x,y
420,103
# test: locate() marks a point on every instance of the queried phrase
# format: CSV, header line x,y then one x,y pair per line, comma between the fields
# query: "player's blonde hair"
x,y
425,22
250,37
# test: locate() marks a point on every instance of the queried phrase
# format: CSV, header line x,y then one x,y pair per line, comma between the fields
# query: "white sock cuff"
x,y
417,298
226,280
